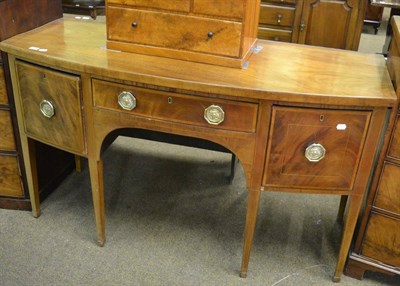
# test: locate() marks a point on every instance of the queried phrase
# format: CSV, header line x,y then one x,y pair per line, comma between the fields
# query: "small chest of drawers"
x,y
216,32
278,19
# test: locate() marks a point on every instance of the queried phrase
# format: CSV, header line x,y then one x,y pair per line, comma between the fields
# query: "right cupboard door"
x,y
342,16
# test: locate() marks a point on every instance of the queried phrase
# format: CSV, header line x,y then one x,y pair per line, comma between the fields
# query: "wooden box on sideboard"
x,y
215,32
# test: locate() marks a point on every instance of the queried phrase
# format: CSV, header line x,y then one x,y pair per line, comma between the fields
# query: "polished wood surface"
x,y
297,77
64,129
377,244
295,129
366,84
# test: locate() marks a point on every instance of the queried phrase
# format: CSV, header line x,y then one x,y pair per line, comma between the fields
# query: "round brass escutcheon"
x,y
315,152
214,114
126,100
47,108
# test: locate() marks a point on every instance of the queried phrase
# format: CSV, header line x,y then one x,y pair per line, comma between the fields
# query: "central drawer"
x,y
186,109
174,31
315,148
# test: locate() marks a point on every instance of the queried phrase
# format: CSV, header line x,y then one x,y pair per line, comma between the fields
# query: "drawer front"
x,y
3,91
172,5
280,1
226,8
10,181
338,135
174,31
382,239
38,85
7,141
394,148
388,193
275,34
176,107
276,15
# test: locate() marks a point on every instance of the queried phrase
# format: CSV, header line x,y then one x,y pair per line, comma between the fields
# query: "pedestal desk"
x,y
299,118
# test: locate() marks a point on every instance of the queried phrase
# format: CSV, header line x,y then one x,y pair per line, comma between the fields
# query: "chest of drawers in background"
x,y
310,22
18,16
377,247
11,184
217,32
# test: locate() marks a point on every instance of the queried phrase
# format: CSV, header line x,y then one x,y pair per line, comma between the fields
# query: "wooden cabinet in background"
x,y
18,16
377,247
310,22
373,16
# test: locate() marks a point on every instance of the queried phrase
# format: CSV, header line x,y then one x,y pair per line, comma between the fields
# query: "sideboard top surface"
x,y
280,71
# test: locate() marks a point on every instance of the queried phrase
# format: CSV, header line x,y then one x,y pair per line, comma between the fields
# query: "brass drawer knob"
x,y
47,108
279,18
315,152
126,100
214,114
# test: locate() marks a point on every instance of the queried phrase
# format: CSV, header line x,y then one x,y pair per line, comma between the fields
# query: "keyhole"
x,y
169,100
321,117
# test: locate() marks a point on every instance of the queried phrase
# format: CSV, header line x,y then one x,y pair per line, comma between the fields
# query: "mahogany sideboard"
x,y
299,118
377,245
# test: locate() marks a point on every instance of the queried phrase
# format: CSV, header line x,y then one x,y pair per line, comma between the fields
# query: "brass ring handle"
x,y
47,108
214,114
279,18
315,152
126,100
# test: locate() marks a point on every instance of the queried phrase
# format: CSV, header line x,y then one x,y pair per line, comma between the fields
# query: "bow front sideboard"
x,y
299,118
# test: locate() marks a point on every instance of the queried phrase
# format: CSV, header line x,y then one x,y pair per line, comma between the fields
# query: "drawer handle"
x,y
315,152
210,35
134,24
47,108
126,100
302,26
279,18
214,114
